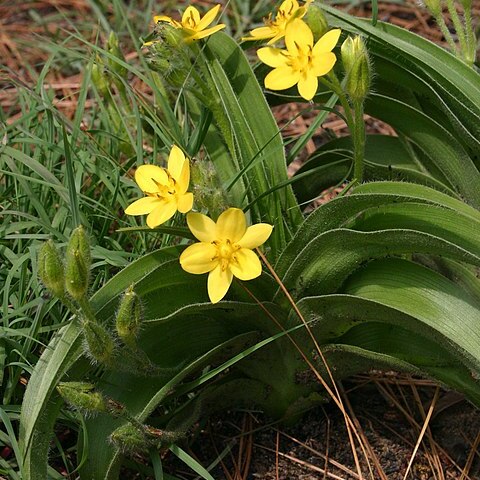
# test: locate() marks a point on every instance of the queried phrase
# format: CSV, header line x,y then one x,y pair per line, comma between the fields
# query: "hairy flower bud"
x,y
100,78
317,21
129,318
357,68
51,269
77,267
129,438
100,344
82,396
113,48
209,195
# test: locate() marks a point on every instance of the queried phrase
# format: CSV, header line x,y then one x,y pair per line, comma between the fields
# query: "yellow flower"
x,y
302,62
194,27
275,29
225,249
165,189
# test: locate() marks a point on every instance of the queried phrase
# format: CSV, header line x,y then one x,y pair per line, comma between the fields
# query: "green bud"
x,y
114,49
172,36
357,68
208,193
129,318
317,21
129,438
170,55
77,264
100,344
100,78
51,269
81,396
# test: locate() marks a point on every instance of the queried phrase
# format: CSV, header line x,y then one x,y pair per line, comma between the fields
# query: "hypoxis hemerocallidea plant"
x,y
383,277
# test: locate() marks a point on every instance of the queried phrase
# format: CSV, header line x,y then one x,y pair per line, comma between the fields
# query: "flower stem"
x,y
446,33
358,142
471,41
355,123
458,28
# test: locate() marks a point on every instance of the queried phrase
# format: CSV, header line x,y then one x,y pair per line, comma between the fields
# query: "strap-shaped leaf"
x,y
259,151
329,259
427,296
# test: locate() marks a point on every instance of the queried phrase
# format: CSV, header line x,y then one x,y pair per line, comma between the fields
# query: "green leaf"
x,y
343,251
259,151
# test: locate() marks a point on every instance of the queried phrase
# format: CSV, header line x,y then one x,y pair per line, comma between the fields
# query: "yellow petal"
x,y
261,33
255,235
280,34
307,86
281,78
142,206
298,33
202,227
247,265
176,160
162,18
197,258
231,225
208,18
148,176
273,57
163,212
327,42
288,7
323,63
218,283
207,32
191,17
185,202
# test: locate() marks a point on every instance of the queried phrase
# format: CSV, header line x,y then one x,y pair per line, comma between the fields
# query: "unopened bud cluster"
x,y
111,71
209,195
129,318
357,67
170,56
72,275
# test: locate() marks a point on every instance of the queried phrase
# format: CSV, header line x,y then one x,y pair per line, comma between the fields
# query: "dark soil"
x,y
390,410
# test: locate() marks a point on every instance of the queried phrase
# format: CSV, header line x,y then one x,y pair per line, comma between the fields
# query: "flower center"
x,y
225,252
164,191
190,22
303,59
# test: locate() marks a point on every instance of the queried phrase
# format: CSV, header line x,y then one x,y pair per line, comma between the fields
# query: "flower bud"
x,y
208,193
357,68
78,260
81,396
100,344
51,269
113,48
100,78
129,438
129,318
317,21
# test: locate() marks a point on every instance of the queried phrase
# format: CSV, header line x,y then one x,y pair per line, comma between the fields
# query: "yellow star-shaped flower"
x,y
165,189
275,29
302,62
224,250
194,27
